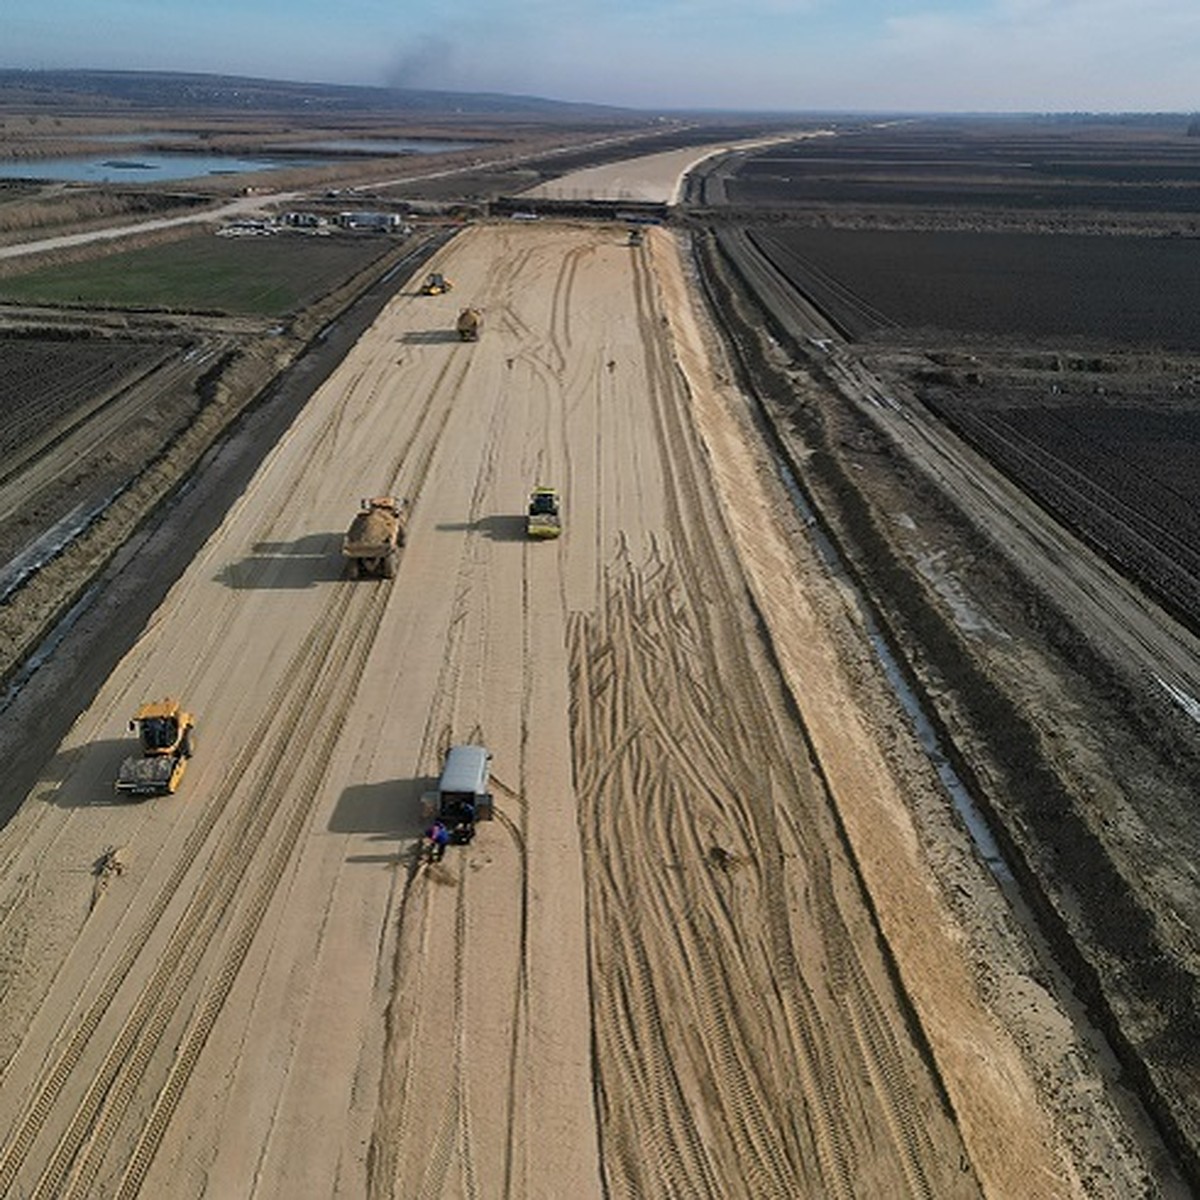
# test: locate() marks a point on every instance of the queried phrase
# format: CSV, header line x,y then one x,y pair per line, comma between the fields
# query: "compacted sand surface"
x,y
701,950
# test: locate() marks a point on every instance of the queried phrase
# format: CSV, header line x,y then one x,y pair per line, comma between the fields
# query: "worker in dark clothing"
x,y
464,823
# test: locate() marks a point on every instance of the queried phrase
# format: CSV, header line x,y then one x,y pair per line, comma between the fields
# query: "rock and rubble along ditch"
x,y
1051,850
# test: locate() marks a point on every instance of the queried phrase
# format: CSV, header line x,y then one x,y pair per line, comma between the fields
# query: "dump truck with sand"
x,y
167,736
372,545
470,320
544,518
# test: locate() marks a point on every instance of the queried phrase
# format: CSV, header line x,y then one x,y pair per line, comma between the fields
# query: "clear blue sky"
x,y
940,55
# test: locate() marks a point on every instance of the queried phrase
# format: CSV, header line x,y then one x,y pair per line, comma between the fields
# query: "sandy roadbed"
x,y
700,952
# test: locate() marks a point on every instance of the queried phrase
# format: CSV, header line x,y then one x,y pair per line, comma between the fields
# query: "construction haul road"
x,y
698,953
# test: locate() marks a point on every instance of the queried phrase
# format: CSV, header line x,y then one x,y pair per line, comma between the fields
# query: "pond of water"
x,y
141,167
151,166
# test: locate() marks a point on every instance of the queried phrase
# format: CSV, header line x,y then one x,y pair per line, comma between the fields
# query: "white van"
x,y
462,795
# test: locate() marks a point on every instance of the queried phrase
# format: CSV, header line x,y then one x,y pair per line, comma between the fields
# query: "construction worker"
x,y
439,838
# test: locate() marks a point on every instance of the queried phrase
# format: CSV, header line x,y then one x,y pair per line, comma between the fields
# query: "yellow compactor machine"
x,y
543,518
167,736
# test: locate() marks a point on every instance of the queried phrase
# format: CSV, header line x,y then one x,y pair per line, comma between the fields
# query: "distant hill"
x,y
128,91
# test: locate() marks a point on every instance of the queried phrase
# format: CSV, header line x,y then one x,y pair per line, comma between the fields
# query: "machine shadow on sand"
x,y
309,560
101,763
389,810
431,337
501,527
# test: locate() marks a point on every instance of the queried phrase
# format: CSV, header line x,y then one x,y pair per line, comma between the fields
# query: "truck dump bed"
x,y
468,324
372,533
372,544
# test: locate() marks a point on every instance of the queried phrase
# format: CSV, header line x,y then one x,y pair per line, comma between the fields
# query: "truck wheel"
x,y
188,748
389,566
351,568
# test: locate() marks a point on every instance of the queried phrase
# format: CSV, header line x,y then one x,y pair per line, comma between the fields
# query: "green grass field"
x,y
251,276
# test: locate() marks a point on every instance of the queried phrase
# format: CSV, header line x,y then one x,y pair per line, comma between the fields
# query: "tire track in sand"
x,y
266,760
729,1062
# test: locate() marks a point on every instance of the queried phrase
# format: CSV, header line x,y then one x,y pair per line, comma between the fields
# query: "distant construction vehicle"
x,y
544,518
372,544
436,285
167,736
636,237
470,320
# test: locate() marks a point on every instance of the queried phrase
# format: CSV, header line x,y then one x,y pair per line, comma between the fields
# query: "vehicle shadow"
x,y
63,764
388,810
502,527
87,775
309,560
430,337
